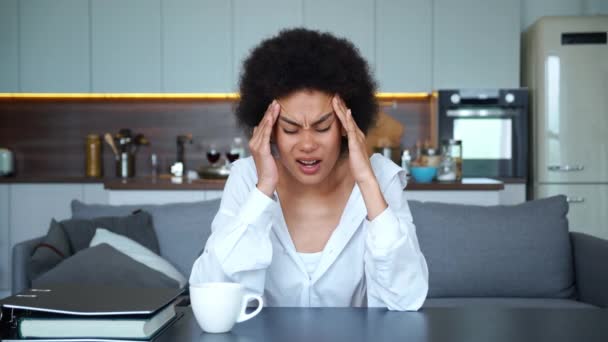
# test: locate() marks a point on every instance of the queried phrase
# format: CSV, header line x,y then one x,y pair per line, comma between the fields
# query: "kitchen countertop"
x,y
165,182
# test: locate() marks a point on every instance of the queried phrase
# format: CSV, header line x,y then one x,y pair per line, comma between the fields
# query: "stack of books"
x,y
87,313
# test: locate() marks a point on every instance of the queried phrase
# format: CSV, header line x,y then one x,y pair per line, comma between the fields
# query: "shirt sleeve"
x,y
239,248
396,270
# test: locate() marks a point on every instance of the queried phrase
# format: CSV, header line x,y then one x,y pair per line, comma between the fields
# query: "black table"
x,y
433,324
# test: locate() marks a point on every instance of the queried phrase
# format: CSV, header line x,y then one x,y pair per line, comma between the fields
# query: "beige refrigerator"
x,y
565,66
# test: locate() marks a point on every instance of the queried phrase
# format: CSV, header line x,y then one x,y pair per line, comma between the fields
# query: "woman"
x,y
309,219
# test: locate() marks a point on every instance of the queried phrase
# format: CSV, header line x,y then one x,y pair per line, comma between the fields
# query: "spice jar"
x,y
93,156
430,157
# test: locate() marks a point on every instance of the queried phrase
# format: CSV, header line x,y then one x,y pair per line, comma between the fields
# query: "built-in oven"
x,y
493,127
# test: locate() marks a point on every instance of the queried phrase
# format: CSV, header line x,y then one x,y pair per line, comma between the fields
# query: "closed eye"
x,y
322,130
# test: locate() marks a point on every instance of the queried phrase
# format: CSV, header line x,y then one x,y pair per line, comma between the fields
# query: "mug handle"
x,y
245,316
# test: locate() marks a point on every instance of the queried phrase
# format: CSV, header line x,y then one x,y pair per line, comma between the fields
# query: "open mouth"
x,y
309,162
309,166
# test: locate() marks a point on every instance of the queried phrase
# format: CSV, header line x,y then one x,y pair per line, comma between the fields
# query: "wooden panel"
x,y
54,46
48,136
196,46
126,45
404,45
415,117
256,20
5,251
350,19
9,55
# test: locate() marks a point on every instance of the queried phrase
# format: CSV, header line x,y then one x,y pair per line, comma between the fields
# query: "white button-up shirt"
x,y
373,263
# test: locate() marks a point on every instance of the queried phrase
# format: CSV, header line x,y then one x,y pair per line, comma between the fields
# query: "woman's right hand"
x,y
259,145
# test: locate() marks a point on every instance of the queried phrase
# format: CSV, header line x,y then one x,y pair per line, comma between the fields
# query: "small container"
x,y
93,167
423,174
453,149
7,162
447,169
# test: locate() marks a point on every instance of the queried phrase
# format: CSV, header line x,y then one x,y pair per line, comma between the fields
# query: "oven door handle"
x,y
565,168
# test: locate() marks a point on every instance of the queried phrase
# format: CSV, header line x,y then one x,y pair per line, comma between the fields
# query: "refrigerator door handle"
x,y
565,168
575,199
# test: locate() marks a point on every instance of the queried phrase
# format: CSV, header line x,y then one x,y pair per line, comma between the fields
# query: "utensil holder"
x,y
125,165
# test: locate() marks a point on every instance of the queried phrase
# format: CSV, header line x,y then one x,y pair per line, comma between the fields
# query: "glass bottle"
x,y
406,160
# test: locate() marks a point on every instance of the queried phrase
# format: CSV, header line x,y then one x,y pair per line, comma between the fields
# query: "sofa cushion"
x,y
493,302
138,253
53,248
103,265
182,228
137,227
70,236
496,251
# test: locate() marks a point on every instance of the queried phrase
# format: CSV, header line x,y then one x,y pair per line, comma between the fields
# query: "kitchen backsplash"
x,y
48,135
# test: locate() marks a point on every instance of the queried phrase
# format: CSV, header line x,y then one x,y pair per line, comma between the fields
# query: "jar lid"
x,y
451,142
429,151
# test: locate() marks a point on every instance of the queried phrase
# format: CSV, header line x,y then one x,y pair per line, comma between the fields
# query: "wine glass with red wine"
x,y
232,156
213,155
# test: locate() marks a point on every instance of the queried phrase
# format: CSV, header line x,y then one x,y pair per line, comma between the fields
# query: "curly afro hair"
x,y
299,59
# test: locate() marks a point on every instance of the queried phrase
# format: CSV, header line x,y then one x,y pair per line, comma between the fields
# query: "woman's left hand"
x,y
360,165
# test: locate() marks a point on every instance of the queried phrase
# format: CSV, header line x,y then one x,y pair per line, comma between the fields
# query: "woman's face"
x,y
308,135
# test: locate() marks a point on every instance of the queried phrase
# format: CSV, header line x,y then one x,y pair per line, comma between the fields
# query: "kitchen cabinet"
x,y
256,20
403,42
587,206
196,40
5,267
126,46
9,54
351,19
476,44
54,46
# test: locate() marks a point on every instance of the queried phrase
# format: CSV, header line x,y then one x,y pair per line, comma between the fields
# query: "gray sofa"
x,y
508,256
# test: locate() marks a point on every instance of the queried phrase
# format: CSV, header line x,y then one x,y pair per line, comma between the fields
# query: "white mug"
x,y
218,306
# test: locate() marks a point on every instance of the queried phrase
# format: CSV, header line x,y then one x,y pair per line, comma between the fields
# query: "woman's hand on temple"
x,y
358,159
360,165
259,145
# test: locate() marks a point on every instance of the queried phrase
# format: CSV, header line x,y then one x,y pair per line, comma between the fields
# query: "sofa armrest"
x,y
590,264
21,255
